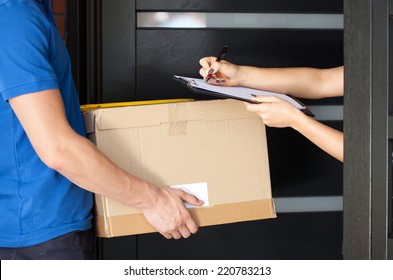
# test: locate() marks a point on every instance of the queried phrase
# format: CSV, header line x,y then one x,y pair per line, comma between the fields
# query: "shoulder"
x,y
25,34
22,22
7,6
20,15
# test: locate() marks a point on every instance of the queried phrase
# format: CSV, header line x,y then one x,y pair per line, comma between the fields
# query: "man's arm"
x,y
43,118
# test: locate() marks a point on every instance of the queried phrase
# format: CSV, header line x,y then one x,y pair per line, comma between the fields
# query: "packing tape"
x,y
177,119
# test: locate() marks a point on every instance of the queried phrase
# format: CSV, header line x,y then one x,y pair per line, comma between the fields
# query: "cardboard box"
x,y
215,142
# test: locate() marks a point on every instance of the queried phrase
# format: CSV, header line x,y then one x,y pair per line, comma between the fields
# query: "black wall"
x,y
137,64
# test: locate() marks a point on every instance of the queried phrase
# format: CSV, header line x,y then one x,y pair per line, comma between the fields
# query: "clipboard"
x,y
199,86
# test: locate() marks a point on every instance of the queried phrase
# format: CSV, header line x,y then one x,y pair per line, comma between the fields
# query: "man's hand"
x,y
168,214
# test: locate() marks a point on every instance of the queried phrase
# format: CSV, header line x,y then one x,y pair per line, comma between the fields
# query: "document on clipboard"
x,y
240,93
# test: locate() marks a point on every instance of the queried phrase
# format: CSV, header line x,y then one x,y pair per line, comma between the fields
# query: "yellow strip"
x,y
89,107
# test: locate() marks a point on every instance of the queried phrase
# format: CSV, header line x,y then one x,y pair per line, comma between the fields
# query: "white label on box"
x,y
197,189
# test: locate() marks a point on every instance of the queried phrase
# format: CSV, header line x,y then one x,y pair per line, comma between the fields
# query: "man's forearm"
x,y
43,118
73,156
95,172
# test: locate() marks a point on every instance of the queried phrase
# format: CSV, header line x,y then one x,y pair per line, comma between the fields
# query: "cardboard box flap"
x,y
110,226
121,117
89,118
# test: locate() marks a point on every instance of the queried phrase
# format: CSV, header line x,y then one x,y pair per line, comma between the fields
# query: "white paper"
x,y
197,189
242,92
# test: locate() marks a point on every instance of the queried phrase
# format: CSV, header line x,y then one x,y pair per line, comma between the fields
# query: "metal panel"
x,y
357,129
368,153
83,31
292,236
239,20
380,149
76,44
118,50
287,6
165,52
161,53
93,52
308,204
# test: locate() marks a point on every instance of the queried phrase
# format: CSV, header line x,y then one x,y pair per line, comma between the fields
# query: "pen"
x,y
219,57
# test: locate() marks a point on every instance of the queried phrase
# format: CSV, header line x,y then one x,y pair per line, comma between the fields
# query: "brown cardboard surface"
x,y
217,142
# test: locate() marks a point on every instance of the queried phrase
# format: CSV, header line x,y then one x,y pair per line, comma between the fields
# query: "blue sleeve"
x,y
24,49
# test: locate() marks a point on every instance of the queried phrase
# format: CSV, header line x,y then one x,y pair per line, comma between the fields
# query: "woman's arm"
x,y
276,112
303,82
310,83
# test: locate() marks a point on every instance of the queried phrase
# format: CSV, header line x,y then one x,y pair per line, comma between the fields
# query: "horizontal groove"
x,y
328,112
308,204
239,20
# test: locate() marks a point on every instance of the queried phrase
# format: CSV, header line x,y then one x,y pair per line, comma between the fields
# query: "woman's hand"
x,y
275,111
224,72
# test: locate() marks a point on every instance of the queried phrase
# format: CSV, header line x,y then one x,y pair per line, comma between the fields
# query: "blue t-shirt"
x,y
36,202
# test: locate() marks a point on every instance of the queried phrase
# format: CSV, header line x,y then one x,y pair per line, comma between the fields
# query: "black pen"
x,y
219,57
